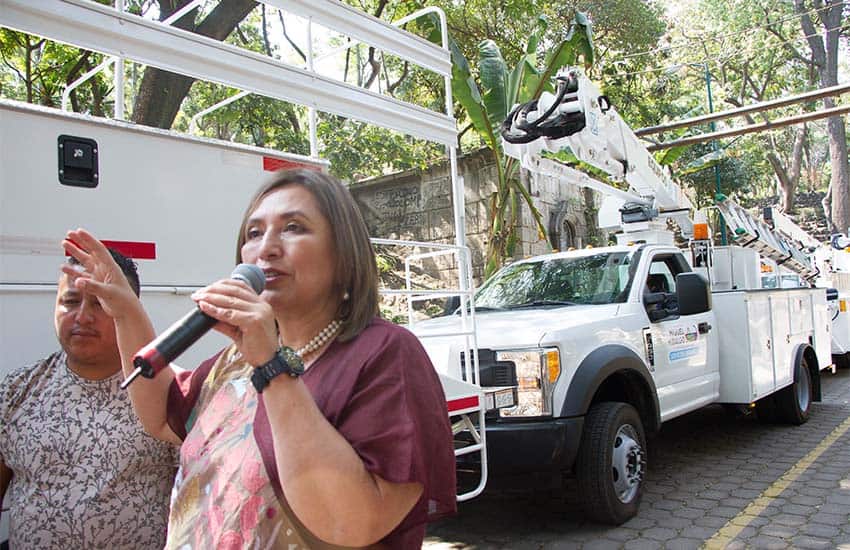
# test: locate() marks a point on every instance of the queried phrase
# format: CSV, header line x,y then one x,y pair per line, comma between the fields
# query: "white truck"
x,y
831,270
834,264
606,344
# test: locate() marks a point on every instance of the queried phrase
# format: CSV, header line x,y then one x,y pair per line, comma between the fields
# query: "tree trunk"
x,y
784,184
788,180
161,93
840,181
825,54
826,204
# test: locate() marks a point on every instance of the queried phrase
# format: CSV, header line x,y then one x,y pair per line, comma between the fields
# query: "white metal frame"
x,y
118,77
470,419
104,29
424,57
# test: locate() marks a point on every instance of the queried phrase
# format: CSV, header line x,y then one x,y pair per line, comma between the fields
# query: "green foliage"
x,y
385,263
736,173
357,150
37,70
502,89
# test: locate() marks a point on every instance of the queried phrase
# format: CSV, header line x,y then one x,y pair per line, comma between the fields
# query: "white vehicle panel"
x,y
184,196
760,333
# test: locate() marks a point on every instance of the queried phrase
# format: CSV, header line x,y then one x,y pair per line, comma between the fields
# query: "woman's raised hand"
x,y
243,316
100,275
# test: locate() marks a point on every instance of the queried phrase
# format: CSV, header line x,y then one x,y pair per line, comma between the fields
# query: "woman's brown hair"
x,y
356,270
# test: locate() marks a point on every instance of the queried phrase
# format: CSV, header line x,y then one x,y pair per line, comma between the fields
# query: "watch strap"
x,y
284,361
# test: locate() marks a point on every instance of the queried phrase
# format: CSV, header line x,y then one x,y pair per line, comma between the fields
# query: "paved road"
x,y
713,481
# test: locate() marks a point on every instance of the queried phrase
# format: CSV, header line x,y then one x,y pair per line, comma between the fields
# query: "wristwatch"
x,y
285,361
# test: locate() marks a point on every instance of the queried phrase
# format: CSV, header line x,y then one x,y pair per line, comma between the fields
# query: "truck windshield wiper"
x,y
479,309
542,303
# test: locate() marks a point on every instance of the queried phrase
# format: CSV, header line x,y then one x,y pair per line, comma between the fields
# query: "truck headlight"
x,y
536,373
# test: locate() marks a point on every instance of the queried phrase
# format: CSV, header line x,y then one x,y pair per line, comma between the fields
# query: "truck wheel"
x,y
794,402
611,463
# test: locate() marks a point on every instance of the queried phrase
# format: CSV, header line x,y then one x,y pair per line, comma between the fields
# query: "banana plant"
x,y
489,100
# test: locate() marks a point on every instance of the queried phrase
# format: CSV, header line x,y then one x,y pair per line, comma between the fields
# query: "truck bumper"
x,y
521,447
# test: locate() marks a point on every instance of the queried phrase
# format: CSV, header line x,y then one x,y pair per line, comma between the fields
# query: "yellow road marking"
x,y
734,526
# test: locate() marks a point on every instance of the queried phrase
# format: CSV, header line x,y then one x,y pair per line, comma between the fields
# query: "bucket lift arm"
x,y
578,117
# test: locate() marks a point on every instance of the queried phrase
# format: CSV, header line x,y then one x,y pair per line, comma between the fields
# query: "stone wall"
x,y
416,205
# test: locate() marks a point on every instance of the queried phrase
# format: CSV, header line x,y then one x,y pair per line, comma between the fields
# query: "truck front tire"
x,y
611,462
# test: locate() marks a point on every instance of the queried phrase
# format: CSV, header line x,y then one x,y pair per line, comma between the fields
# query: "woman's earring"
x,y
345,296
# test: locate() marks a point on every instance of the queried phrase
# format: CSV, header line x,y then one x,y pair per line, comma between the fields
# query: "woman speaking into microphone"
x,y
322,425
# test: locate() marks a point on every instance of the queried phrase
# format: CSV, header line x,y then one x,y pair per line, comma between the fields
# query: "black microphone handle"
x,y
182,334
165,348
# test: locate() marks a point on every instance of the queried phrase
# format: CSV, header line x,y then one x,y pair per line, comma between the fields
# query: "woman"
x,y
353,452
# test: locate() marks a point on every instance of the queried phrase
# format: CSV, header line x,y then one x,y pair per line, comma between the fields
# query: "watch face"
x,y
296,365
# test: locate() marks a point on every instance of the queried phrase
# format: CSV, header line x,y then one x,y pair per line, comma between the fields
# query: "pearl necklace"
x,y
320,339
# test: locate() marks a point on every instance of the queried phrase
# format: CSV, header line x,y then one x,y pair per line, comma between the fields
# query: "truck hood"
x,y
512,329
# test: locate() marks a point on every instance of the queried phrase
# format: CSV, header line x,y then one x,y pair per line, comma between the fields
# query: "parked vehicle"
x,y
606,344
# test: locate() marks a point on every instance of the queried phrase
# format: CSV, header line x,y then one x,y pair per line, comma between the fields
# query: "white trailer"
x,y
170,201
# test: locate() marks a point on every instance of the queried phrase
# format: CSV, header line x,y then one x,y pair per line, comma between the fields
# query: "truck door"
x,y
681,354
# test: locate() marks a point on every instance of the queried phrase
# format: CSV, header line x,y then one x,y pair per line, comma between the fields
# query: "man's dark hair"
x,y
128,266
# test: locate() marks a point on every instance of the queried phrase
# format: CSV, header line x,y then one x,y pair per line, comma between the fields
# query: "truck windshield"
x,y
597,279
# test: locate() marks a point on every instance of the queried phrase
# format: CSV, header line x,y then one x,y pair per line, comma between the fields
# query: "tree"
x,y
744,73
771,62
824,49
486,111
161,92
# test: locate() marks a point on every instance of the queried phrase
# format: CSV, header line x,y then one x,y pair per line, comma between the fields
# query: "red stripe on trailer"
x,y
133,249
271,164
463,403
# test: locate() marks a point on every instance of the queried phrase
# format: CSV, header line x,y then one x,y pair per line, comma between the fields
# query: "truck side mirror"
x,y
693,293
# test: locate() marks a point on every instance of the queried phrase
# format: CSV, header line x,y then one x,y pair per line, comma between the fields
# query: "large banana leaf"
x,y
465,91
487,107
671,155
578,43
493,74
525,77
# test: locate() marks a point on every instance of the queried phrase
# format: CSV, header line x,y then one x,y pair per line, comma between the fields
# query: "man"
x,y
80,470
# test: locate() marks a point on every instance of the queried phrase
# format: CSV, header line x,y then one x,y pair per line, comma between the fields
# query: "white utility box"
x,y
760,335
735,268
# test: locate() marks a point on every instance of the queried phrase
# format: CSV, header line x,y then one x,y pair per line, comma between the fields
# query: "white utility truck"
x,y
605,344
173,201
831,262
834,263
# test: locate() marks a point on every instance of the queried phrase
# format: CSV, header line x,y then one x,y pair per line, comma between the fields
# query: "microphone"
x,y
165,348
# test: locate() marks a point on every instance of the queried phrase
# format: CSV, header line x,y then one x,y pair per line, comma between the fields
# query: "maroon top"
x,y
382,394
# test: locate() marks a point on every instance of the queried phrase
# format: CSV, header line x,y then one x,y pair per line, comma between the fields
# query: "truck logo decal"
x,y
682,335
680,354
